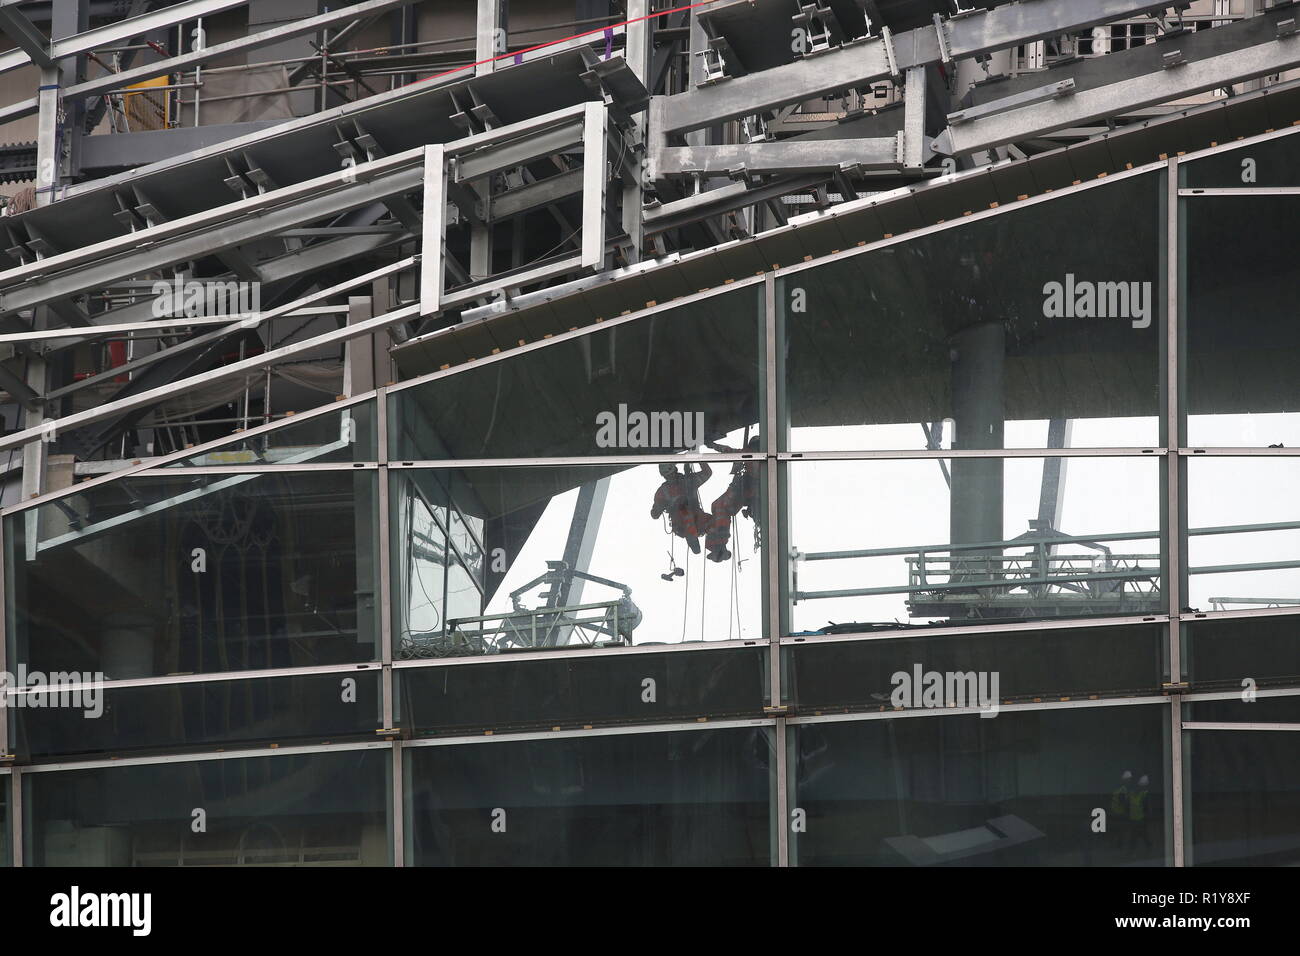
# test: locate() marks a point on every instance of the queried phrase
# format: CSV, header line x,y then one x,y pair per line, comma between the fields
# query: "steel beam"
x,y
782,156
31,42
123,31
1159,85
862,62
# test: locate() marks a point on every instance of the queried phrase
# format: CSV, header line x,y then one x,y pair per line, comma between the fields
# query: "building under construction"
x,y
743,432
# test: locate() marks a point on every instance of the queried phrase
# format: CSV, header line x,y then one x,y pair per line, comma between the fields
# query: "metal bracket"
x,y
887,38
945,51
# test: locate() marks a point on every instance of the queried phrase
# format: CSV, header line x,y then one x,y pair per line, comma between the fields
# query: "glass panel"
x,y
497,560
1002,333
1023,789
1242,336
320,809
1243,517
1066,663
673,380
1245,797
1270,162
687,798
874,544
1265,649
150,576
609,688
345,435
6,857
313,708
1248,708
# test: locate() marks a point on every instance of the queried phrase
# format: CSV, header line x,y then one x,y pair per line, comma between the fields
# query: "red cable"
x,y
540,46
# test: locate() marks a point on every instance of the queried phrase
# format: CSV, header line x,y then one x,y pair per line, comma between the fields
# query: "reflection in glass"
x,y
669,381
883,543
309,708
1243,547
345,435
1006,332
1244,797
528,692
1020,789
1269,162
1067,662
497,560
1242,337
150,576
686,798
1266,649
321,809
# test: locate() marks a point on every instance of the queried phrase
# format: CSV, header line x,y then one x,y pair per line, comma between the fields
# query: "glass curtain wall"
x,y
971,546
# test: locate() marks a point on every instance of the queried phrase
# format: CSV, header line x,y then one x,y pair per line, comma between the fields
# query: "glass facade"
x,y
1013,582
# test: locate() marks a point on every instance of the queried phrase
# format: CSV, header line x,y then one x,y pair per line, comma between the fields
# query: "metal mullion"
x,y
1238,191
1173,500
974,630
773,537
1231,452
16,816
204,756
398,808
384,562
215,677
617,731
920,454
1286,610
448,464
940,712
576,651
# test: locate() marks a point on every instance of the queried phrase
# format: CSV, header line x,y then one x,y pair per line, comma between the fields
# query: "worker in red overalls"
x,y
741,496
679,498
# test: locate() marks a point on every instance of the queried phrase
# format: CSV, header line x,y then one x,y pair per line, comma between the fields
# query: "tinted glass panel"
x,y
193,574
1242,336
1070,663
607,688
1006,332
1265,649
345,435
1245,797
1020,789
1271,162
672,380
877,543
499,560
690,798
323,809
178,716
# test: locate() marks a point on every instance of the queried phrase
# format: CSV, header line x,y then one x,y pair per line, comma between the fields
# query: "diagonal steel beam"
x,y
34,45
